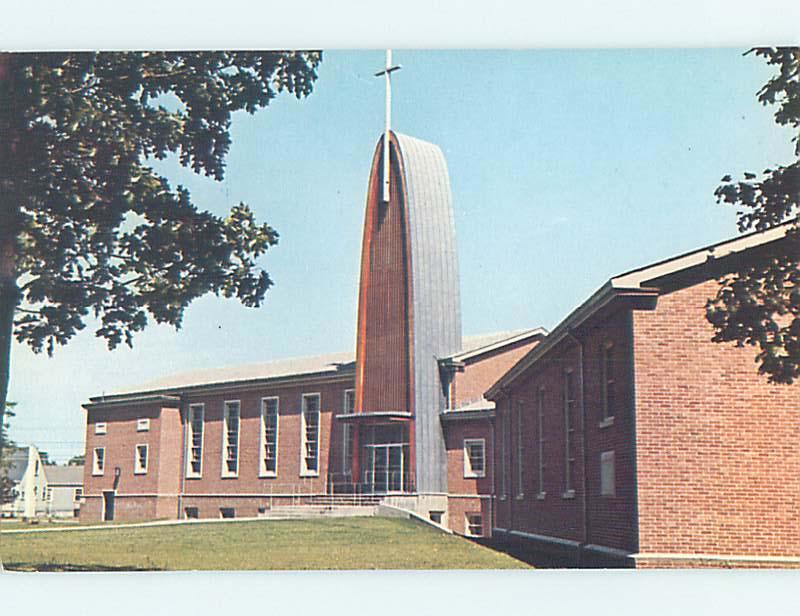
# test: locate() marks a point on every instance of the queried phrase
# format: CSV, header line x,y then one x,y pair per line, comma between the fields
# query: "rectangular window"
x,y
607,480
191,513
77,495
143,424
570,404
309,464
100,427
349,401
502,438
474,524
474,457
540,400
348,441
609,385
194,442
140,461
520,451
230,439
227,512
269,437
48,495
99,461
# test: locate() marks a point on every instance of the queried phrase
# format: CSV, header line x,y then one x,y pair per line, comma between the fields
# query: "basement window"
x,y
474,525
191,513
227,512
436,516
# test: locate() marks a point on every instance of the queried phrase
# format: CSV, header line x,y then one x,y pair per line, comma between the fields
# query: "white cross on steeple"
x,y
387,72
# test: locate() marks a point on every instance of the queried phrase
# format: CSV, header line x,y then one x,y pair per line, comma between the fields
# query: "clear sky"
x,y
567,167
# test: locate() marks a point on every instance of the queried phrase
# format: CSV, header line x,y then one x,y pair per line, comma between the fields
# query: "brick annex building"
x,y
623,437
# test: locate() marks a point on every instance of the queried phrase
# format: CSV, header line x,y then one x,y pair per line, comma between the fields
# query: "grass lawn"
x,y
341,543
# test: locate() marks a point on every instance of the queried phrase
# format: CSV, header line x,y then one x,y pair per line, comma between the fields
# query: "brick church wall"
x,y
718,447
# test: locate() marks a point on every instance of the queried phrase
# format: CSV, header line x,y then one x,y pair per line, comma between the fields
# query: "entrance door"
x,y
384,468
108,506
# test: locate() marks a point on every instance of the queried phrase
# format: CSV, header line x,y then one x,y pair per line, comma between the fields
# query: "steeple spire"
x,y
387,73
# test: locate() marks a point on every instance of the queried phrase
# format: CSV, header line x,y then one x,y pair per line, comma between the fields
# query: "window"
x,y
227,512
36,469
609,385
348,442
99,461
100,427
140,461
194,441
501,435
520,451
269,437
436,516
230,439
143,424
474,457
191,513
607,480
474,525
569,434
540,400
349,401
77,495
309,464
48,494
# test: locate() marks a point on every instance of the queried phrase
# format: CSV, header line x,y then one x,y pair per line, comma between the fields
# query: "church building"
x,y
403,421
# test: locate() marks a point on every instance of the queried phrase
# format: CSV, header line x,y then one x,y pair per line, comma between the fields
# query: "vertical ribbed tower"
x,y
409,309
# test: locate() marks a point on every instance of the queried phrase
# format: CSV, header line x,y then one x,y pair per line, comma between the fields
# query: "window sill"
x,y
608,421
139,472
194,476
541,495
267,475
502,498
231,476
309,474
474,475
569,494
94,474
519,497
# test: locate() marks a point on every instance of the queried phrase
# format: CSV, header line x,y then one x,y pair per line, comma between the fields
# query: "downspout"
x,y
585,494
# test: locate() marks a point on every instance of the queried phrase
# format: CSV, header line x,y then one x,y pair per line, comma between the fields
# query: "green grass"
x,y
342,543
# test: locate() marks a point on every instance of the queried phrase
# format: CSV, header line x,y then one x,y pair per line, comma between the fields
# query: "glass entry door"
x,y
386,468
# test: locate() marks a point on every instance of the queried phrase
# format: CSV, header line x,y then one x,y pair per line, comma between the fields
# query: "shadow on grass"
x,y
66,567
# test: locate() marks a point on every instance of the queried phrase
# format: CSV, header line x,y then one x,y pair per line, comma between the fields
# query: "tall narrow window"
x,y
520,450
502,432
607,481
140,460
569,433
474,457
540,436
99,461
348,441
309,464
269,437
194,442
230,439
609,384
77,495
349,401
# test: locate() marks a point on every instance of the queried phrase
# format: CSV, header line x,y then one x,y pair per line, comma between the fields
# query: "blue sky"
x,y
566,167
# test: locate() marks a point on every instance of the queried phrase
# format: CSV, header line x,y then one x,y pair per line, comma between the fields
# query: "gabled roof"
x,y
330,365
64,475
641,282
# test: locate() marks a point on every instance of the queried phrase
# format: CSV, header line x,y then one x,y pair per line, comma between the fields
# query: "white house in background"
x,y
64,490
26,471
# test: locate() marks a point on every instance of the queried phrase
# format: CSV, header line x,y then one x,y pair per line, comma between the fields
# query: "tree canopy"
x,y
87,227
760,304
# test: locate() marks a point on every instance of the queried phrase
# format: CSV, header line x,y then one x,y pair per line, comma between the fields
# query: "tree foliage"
x,y
87,227
6,485
759,305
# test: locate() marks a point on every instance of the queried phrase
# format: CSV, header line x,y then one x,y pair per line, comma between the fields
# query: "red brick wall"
x,y
455,433
482,372
457,508
553,515
718,447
